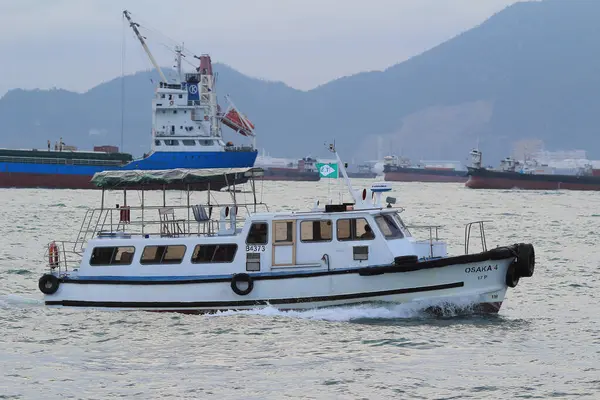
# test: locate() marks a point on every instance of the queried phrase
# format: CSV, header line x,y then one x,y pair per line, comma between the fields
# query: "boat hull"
x,y
289,174
424,175
361,175
63,176
59,181
480,178
478,285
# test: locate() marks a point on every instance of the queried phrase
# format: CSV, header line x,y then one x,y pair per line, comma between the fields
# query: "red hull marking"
x,y
480,182
48,181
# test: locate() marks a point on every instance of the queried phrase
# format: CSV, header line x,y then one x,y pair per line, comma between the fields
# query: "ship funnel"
x,y
205,65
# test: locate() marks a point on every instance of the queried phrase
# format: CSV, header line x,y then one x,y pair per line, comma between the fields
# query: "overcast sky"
x,y
76,44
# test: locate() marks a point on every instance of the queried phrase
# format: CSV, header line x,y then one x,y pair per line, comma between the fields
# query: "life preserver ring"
x,y
171,102
242,278
525,260
125,214
512,275
53,258
48,284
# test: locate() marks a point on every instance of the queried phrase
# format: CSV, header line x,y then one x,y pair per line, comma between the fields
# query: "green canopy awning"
x,y
170,177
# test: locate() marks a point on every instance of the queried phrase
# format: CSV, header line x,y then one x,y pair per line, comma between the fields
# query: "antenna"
x,y
134,26
123,84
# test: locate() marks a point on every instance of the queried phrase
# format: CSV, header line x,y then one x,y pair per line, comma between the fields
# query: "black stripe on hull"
x,y
500,253
248,303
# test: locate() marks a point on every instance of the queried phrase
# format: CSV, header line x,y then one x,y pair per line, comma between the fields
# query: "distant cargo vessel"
x,y
401,170
186,133
365,171
304,169
531,175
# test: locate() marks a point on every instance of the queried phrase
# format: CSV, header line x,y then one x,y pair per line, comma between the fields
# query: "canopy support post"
x,y
188,209
253,184
142,211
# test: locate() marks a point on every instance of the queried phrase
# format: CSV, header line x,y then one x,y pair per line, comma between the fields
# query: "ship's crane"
x,y
134,26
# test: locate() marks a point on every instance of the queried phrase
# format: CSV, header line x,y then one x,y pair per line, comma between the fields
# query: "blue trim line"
x,y
213,277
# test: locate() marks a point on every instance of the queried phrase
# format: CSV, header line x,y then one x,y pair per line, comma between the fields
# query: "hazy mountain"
x,y
529,72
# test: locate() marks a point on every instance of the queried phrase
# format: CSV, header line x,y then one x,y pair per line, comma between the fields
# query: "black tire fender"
x,y
525,260
512,276
48,284
243,277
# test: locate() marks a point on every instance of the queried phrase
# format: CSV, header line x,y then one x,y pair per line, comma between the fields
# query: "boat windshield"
x,y
388,227
400,224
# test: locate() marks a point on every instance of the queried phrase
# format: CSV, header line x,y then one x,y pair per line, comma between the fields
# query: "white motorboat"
x,y
208,257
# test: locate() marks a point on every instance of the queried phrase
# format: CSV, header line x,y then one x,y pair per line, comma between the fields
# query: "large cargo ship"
x,y
186,133
532,175
401,170
274,169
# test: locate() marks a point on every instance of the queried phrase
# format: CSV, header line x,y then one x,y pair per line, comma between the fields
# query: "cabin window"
x,y
284,231
258,234
181,96
172,142
163,254
214,253
401,224
112,255
189,142
157,142
354,229
388,227
316,231
162,96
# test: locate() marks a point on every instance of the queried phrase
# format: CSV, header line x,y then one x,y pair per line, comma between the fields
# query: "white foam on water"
x,y
415,309
13,300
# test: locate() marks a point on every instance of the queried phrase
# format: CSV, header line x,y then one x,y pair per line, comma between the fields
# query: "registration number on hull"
x,y
255,247
481,270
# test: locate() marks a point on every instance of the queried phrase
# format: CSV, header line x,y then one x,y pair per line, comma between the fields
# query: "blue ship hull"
x,y
78,176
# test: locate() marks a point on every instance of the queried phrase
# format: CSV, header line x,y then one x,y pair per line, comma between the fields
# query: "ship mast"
x,y
134,26
178,55
343,169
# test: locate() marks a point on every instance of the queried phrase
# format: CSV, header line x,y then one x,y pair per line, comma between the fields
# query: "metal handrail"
x,y
431,228
481,234
106,221
67,258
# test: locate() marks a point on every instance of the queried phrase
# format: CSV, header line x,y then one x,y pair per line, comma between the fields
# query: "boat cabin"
x,y
211,238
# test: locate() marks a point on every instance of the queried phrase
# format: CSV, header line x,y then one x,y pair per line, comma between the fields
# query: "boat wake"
x,y
370,311
13,300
